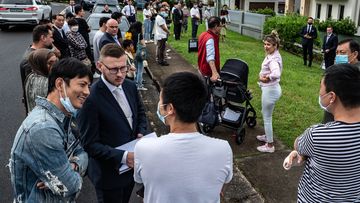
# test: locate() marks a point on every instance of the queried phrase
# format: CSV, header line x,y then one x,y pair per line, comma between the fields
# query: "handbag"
x,y
209,114
141,52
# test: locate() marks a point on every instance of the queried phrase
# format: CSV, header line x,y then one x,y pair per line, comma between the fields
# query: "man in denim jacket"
x,y
47,161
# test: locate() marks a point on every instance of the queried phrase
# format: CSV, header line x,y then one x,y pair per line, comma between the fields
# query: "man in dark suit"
x,y
111,116
178,19
308,34
110,36
329,47
60,39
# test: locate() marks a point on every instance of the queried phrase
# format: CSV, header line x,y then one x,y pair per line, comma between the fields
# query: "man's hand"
x,y
214,77
293,159
130,159
327,50
139,135
41,185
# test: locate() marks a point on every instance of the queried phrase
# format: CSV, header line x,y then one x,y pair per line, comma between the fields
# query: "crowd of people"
x,y
72,129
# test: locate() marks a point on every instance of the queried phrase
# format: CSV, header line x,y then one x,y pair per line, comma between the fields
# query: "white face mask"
x,y
325,108
74,28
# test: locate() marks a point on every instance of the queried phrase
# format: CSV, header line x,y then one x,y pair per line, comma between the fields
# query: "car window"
x,y
93,22
18,2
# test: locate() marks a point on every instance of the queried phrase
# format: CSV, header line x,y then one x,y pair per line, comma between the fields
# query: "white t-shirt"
x,y
146,12
96,41
159,32
183,167
194,12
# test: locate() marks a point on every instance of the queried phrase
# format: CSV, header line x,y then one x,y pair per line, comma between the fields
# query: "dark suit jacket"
x,y
177,16
61,43
330,44
312,34
103,126
106,39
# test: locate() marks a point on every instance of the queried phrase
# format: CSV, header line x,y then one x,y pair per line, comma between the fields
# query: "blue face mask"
x,y
67,103
161,117
164,14
341,59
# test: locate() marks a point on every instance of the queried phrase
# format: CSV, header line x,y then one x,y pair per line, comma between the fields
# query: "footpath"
x,y
258,177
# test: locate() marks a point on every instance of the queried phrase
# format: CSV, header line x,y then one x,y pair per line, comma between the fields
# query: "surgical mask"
x,y
161,117
341,59
163,14
195,6
67,103
325,108
74,28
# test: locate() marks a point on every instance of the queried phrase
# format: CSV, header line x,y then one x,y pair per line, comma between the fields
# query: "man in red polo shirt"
x,y
208,54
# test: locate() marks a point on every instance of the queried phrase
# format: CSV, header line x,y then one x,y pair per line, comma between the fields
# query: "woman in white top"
x,y
147,22
183,166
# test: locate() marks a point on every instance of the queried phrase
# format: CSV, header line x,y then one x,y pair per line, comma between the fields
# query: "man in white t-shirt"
x,y
161,33
195,18
183,166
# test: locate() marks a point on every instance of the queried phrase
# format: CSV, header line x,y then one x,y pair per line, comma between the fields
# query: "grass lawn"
x,y
298,106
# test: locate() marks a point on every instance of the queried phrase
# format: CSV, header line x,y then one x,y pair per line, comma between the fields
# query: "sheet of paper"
x,y
130,146
231,115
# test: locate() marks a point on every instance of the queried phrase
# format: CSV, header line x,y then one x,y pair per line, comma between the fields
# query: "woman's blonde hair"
x,y
273,38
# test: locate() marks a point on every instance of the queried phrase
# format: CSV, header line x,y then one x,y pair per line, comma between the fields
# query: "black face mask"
x,y
310,23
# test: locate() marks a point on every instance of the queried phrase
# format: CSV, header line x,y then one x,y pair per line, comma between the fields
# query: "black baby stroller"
x,y
226,101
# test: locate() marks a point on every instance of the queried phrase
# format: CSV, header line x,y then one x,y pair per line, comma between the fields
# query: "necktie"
x,y
63,34
124,105
72,9
309,29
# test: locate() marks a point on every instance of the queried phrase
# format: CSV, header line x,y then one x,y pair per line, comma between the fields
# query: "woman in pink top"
x,y
269,78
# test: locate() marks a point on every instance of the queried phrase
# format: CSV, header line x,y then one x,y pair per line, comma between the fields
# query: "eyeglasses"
x,y
122,69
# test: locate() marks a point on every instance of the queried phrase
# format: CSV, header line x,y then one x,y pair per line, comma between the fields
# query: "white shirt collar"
x,y
110,86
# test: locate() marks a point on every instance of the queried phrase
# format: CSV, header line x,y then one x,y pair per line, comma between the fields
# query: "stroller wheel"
x,y
251,121
240,135
204,128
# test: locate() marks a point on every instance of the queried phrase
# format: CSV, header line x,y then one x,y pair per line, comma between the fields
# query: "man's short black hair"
x,y
344,80
69,15
116,15
353,45
214,21
187,92
67,69
40,30
103,20
126,43
78,8
57,15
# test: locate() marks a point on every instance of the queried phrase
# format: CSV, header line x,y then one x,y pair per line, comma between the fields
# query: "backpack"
x,y
141,53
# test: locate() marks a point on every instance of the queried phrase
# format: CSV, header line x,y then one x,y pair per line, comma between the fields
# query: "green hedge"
x,y
345,26
265,11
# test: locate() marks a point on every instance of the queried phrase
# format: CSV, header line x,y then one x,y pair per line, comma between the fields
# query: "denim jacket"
x,y
43,150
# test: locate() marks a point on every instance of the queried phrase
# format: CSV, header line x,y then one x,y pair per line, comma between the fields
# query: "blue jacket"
x,y
43,151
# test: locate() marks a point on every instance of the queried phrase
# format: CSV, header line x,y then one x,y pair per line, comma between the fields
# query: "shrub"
x,y
288,28
345,26
265,11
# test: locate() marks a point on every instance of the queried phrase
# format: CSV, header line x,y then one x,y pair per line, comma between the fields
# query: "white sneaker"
x,y
168,50
151,41
142,88
167,57
266,148
261,138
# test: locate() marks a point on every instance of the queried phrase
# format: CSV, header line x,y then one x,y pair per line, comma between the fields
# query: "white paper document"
x,y
130,146
231,115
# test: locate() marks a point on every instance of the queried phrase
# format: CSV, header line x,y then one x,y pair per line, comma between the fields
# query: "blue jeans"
x,y
147,28
139,72
270,95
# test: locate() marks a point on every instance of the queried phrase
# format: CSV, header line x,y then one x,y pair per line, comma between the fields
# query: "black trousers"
x,y
161,44
308,49
177,31
194,25
329,59
118,195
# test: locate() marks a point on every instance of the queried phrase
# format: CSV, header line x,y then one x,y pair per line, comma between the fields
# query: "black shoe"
x,y
309,64
305,63
164,63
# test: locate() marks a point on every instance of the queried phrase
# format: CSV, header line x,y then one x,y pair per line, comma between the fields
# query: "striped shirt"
x,y
332,170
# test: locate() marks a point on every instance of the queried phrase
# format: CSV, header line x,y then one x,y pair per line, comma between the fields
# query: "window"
x,y
318,11
341,12
329,9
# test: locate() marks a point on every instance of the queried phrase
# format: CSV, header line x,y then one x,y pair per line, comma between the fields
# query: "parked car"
x,y
23,12
86,4
99,6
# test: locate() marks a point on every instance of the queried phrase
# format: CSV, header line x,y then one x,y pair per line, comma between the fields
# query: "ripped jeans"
x,y
270,95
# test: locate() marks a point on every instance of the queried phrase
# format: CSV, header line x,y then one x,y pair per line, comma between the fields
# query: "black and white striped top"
x,y
332,170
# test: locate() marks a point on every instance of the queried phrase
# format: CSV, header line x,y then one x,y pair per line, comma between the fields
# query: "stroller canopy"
x,y
235,70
